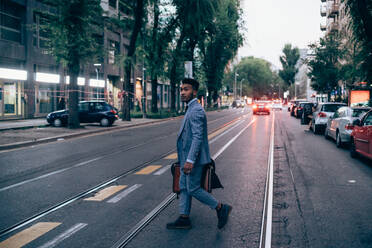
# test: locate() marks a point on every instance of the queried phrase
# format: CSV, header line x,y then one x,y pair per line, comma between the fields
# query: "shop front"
x,y
12,101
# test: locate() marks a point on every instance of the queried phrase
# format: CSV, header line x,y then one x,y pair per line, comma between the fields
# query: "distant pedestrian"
x,y
193,155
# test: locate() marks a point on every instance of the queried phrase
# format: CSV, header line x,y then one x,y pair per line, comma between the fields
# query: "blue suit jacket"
x,y
192,140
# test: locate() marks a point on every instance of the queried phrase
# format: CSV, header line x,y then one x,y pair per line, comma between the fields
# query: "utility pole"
x,y
236,74
144,93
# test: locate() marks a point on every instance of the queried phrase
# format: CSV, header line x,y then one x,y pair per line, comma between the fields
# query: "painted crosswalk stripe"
x,y
148,170
162,170
123,194
171,156
54,242
105,193
26,236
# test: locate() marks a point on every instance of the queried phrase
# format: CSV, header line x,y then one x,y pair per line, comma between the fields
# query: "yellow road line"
x,y
105,193
26,236
212,135
148,170
171,156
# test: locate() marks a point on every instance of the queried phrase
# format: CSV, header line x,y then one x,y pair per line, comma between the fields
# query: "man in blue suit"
x,y
193,155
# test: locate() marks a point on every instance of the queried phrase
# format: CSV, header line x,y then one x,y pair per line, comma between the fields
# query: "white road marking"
x,y
225,132
48,174
162,170
64,235
351,181
232,140
124,193
268,194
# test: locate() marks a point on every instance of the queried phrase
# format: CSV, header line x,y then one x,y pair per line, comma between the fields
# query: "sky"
x,y
270,24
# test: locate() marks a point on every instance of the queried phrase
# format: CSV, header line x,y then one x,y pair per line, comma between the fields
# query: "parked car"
x,y
340,125
294,105
322,113
299,109
361,137
306,112
89,112
261,107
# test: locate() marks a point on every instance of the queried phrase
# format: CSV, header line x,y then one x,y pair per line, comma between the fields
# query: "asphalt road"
x,y
322,197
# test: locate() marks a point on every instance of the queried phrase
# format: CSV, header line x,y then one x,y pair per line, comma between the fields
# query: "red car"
x,y
261,107
361,137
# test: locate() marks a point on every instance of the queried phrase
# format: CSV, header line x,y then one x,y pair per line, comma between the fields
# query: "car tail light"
x,y
349,127
113,111
255,106
321,114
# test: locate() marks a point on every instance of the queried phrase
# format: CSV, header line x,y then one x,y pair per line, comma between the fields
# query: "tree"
x,y
72,26
324,66
289,61
139,10
221,45
360,12
258,76
193,16
157,40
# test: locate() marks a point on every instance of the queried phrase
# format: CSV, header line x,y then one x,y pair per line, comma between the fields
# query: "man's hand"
x,y
187,167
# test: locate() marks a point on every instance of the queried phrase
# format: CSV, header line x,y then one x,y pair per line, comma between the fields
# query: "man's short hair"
x,y
193,82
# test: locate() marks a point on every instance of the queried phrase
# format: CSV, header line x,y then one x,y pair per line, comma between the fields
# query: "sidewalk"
x,y
21,133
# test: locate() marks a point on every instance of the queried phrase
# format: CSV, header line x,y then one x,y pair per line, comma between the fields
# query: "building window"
x,y
41,35
10,21
113,51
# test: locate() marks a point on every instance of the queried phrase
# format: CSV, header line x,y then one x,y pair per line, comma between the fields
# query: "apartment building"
x,y
32,84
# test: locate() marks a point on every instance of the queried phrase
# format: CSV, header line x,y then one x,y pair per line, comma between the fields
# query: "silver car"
x,y
339,126
322,113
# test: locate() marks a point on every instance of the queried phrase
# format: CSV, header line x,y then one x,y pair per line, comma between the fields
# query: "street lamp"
x,y
236,75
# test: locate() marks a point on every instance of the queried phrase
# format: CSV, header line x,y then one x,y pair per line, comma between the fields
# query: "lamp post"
x,y
241,88
236,74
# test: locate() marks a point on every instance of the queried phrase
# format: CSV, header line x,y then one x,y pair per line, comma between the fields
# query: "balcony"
x,y
323,10
333,9
323,27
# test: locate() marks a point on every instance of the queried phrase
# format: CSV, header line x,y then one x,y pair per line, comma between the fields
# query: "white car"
x,y
322,113
340,125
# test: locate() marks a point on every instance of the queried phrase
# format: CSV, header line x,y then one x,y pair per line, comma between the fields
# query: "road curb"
x,y
79,134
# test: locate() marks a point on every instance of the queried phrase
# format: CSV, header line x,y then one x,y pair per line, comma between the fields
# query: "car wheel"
x,y
326,134
353,152
315,128
105,122
57,123
338,140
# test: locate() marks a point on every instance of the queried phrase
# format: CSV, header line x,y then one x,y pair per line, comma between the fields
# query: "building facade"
x,y
32,84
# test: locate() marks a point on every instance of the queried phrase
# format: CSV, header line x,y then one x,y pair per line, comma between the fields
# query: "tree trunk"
x,y
73,97
138,15
154,94
126,87
173,74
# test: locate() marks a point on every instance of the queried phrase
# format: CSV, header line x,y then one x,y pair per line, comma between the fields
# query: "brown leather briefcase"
x,y
176,172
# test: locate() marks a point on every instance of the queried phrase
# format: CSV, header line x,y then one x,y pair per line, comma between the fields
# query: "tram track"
x,y
101,185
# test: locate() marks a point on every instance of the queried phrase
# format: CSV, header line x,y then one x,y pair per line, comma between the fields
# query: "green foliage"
x,y
221,44
289,61
258,76
73,26
324,66
360,12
